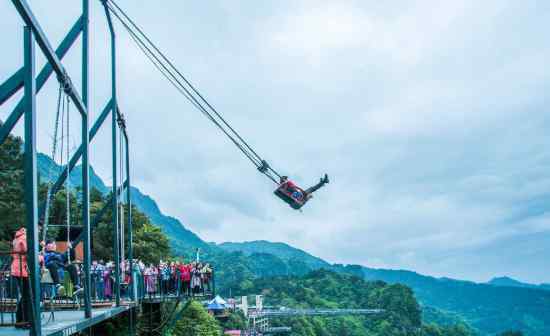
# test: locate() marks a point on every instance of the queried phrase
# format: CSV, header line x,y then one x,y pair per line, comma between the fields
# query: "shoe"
x,y
22,325
59,290
325,179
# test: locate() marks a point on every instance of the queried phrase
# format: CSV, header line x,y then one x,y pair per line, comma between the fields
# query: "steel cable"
x,y
167,71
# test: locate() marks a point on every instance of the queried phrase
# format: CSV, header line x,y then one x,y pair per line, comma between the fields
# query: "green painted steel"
x,y
15,82
86,163
27,79
44,44
11,85
114,126
45,73
31,180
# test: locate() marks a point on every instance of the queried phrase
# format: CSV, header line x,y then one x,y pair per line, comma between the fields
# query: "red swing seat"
x,y
289,196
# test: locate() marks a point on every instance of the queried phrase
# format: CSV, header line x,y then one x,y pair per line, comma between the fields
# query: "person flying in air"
x,y
298,193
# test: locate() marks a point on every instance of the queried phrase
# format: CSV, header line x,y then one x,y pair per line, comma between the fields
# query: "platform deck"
x,y
67,322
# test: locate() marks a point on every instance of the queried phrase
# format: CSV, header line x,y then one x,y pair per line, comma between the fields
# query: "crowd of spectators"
x,y
61,277
164,278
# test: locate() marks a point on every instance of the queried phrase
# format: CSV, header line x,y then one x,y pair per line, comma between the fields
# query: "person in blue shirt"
x,y
55,261
98,283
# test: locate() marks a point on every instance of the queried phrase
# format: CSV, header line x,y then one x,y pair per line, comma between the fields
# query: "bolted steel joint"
x,y
65,82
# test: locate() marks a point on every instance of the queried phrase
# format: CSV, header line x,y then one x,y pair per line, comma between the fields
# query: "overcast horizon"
x,y
431,119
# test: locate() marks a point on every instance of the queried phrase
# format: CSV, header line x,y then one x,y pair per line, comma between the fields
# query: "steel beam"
x,y
27,15
13,84
114,126
31,181
86,164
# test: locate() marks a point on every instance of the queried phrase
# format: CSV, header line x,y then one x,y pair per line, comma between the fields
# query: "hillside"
x,y
488,308
326,289
281,250
180,237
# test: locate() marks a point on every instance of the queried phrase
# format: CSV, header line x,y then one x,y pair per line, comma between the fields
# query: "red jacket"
x,y
185,274
19,254
290,184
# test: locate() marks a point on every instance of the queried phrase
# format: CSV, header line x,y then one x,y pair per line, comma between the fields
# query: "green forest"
x,y
327,289
150,243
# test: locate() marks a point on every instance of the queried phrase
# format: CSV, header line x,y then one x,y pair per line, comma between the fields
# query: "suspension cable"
x,y
169,75
54,151
183,77
184,86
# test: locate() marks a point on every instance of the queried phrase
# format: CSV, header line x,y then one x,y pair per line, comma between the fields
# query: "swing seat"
x,y
294,198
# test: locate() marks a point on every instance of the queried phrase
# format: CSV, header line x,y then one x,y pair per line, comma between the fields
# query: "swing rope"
x,y
54,151
184,86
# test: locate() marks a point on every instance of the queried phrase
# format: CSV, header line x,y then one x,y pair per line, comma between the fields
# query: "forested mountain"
x,y
150,243
488,308
327,289
485,307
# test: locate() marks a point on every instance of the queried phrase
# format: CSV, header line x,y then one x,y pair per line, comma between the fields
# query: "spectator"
x,y
20,272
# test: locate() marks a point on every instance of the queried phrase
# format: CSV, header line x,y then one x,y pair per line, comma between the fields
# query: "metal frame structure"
x,y
25,78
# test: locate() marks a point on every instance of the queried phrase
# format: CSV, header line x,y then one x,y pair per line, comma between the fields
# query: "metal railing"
x,y
155,287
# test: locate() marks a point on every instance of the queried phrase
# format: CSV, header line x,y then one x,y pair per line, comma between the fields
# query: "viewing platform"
x,y
66,322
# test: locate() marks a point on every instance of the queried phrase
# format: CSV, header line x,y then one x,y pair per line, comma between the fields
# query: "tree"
x,y
151,244
12,207
235,321
196,321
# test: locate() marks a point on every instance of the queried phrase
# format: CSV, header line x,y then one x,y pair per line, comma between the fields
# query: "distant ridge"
x,y
281,250
509,282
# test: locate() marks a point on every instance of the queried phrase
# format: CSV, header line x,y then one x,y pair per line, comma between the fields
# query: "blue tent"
x,y
215,306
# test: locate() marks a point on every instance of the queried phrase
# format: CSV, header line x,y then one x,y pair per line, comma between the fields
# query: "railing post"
x,y
132,287
31,181
86,162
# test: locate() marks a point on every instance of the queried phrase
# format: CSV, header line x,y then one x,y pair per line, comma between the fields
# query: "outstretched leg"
x,y
322,182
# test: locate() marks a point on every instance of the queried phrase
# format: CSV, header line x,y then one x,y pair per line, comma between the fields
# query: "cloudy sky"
x,y
431,117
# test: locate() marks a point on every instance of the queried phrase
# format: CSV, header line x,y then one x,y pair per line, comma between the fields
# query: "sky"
x,y
430,117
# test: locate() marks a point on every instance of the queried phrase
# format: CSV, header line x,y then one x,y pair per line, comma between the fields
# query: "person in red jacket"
x,y
185,279
19,271
299,193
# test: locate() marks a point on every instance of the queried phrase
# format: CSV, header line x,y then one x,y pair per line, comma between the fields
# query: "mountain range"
x,y
502,303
